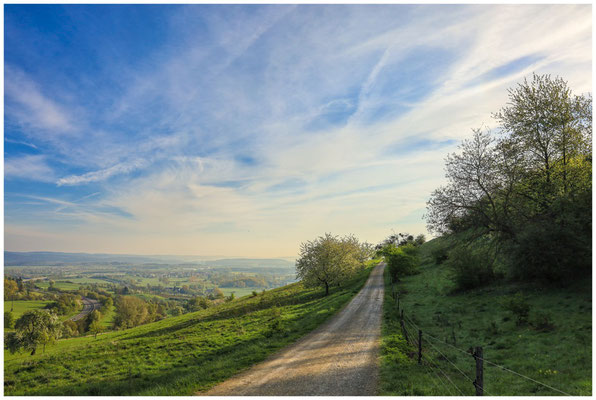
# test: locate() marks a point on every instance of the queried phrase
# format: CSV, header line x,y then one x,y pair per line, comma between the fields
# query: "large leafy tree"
x,y
527,187
330,259
10,290
32,329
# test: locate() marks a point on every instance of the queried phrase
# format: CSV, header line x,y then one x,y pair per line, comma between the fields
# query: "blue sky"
x,y
243,130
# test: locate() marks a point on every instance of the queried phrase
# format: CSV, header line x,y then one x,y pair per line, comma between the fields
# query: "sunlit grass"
x,y
178,355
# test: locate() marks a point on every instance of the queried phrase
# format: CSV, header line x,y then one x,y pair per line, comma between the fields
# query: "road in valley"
x,y
340,358
88,306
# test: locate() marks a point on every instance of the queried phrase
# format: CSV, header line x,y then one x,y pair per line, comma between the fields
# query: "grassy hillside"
x,y
554,347
178,355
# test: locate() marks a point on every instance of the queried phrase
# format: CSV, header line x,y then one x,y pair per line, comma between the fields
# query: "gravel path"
x,y
340,358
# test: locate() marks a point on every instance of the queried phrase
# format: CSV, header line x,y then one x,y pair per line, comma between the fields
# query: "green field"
x,y
22,306
178,355
561,357
62,285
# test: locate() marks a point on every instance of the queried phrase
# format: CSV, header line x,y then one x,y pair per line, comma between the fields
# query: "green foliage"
x,y
470,267
32,329
330,260
542,321
70,329
519,307
254,293
65,304
476,318
197,303
8,320
10,289
529,187
402,261
179,355
218,294
132,311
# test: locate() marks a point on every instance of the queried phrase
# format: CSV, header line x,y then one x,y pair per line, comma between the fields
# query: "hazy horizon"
x,y
244,130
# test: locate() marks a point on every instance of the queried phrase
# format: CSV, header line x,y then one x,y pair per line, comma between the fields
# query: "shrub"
x,y
254,293
469,267
8,320
519,307
542,322
402,261
439,255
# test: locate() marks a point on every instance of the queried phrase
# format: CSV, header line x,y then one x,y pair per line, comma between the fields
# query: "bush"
x,y
254,293
469,267
8,320
439,255
402,261
542,322
519,307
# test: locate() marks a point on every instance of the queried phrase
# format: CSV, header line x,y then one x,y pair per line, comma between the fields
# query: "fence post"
x,y
419,346
403,327
479,382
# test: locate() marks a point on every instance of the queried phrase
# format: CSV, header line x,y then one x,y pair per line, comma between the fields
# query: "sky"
x,y
244,130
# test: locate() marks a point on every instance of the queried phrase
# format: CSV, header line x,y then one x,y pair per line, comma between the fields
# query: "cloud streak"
x,y
264,126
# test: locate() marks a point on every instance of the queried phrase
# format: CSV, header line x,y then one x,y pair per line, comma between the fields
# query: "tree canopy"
x,y
329,260
528,185
32,329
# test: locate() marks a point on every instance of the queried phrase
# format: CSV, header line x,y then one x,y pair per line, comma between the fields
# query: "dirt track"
x,y
340,358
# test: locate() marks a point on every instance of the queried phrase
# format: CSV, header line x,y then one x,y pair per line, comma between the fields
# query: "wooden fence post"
x,y
479,382
419,346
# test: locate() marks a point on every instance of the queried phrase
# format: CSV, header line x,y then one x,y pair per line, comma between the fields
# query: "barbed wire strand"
x,y
490,362
449,379
456,367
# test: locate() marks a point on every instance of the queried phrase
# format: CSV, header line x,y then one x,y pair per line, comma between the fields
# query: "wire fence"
x,y
411,331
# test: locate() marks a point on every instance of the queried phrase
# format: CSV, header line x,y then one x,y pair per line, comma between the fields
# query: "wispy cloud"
x,y
29,167
101,175
263,126
31,107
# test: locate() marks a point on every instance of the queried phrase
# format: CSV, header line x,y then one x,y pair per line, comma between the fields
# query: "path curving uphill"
x,y
340,358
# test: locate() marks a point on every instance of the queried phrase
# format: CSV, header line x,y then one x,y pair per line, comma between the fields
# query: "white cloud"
x,y
212,109
101,175
33,167
31,107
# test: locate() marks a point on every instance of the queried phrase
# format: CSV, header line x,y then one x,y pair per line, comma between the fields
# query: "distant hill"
x,y
13,258
251,262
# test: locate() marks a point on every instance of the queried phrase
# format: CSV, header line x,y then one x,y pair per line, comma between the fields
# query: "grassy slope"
x,y
178,355
561,358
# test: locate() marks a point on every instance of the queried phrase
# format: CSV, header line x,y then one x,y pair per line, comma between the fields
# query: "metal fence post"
x,y
419,346
479,382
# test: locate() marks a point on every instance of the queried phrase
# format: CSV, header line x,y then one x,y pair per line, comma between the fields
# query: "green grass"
x,y
107,319
62,285
561,358
22,306
178,355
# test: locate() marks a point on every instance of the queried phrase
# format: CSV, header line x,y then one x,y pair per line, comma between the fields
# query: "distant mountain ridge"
x,y
13,258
